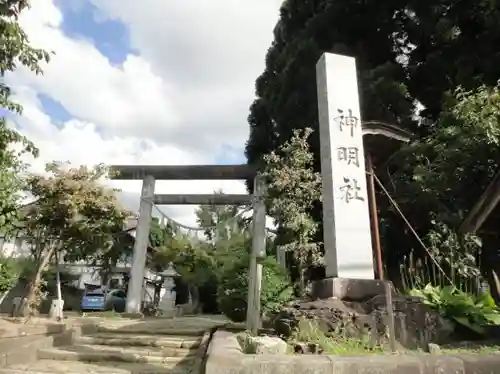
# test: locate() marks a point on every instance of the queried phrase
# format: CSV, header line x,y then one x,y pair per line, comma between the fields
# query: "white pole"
x,y
58,286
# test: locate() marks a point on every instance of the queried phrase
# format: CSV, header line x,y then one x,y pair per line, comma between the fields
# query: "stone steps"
x,y
77,367
94,354
140,350
125,340
122,348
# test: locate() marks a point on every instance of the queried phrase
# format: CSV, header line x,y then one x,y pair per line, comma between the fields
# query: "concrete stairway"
x,y
122,351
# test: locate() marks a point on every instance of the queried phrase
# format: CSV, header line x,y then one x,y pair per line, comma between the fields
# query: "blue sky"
x,y
109,36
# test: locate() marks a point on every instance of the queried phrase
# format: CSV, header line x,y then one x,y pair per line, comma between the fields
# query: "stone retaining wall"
x,y
27,340
15,330
224,356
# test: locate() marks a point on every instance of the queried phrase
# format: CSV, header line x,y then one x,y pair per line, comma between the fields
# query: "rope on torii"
x,y
167,220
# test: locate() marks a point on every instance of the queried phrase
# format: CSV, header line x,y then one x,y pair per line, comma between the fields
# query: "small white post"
x,y
258,252
281,256
59,307
56,309
134,294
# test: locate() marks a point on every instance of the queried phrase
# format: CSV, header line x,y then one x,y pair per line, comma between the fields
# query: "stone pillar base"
x,y
56,309
348,289
133,315
167,313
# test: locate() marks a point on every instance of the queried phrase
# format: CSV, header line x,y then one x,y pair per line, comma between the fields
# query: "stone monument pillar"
x,y
346,219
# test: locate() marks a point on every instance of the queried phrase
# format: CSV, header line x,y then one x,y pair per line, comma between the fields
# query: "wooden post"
x,y
258,252
390,316
372,200
134,294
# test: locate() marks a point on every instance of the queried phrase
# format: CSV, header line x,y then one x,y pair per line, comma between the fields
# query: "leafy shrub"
x,y
232,289
8,274
462,308
451,261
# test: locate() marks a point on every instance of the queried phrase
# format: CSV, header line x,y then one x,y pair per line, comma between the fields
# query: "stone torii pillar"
x,y
137,272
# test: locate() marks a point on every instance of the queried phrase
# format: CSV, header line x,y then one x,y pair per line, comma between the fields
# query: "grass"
x,y
308,332
471,347
338,344
480,350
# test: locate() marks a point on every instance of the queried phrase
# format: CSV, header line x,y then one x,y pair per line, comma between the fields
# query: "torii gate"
x,y
150,173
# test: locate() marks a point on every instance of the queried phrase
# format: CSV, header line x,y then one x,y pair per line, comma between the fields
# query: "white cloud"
x,y
210,51
179,99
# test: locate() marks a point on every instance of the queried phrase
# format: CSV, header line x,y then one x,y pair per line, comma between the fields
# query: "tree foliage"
x,y
293,189
232,290
437,179
189,256
202,262
8,274
221,221
15,50
406,53
74,215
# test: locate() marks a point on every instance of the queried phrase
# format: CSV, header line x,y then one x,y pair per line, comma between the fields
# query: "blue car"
x,y
101,300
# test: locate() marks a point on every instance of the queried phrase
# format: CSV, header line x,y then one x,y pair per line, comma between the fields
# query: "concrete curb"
x,y
200,355
224,356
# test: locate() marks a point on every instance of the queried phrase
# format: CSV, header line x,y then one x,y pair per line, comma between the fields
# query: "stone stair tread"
x,y
117,335
150,331
82,353
140,340
141,350
76,367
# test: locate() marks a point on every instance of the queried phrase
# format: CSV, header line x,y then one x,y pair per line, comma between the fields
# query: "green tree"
x,y
437,180
220,221
406,53
189,256
293,190
8,275
74,215
192,259
15,50
445,52
232,293
286,90
159,235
